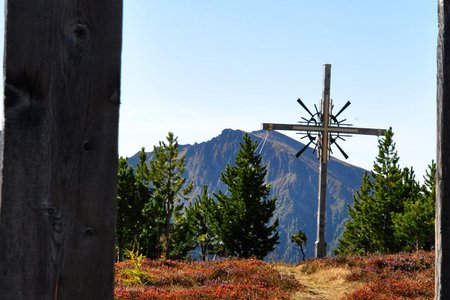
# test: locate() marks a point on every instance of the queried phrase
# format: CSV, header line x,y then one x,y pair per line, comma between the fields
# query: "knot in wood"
x,y
87,146
77,35
51,210
89,231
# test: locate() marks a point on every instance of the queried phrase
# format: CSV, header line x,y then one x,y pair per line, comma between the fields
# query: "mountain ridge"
x,y
294,182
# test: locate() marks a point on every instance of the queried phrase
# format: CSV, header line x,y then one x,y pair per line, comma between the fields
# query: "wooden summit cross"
x,y
328,129
59,173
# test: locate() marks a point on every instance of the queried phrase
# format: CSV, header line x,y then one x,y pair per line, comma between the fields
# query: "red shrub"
x,y
226,279
400,276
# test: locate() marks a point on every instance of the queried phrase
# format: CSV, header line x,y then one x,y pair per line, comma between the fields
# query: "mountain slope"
x,y
294,181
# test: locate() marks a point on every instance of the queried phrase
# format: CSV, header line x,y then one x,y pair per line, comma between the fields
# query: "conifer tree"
x,y
415,225
357,235
299,238
170,188
182,238
153,225
129,209
382,195
200,218
133,194
389,194
245,211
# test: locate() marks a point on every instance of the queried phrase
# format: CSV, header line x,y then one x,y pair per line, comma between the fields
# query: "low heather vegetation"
x,y
226,279
379,277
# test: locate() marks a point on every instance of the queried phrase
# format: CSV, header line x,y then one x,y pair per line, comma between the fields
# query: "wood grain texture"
x,y
442,277
62,90
320,247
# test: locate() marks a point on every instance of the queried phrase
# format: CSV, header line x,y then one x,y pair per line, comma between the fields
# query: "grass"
x,y
387,277
320,282
379,277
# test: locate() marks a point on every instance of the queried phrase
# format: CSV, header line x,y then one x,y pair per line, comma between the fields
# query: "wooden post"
x,y
320,249
442,276
58,195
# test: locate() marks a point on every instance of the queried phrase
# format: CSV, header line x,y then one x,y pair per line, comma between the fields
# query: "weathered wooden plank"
x,y
319,245
62,87
334,129
442,277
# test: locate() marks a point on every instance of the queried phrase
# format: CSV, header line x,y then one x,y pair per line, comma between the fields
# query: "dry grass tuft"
x,y
320,280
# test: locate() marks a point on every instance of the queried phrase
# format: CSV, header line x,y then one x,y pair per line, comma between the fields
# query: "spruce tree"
x,y
389,193
244,212
182,238
382,195
170,188
199,216
358,232
129,209
132,195
415,225
152,212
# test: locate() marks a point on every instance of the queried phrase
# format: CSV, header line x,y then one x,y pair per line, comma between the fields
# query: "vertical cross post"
x,y
442,276
320,247
59,173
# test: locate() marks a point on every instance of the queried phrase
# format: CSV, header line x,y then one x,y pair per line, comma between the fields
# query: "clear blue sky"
x,y
196,67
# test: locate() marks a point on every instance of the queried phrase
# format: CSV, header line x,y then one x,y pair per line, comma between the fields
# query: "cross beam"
x,y
324,129
329,129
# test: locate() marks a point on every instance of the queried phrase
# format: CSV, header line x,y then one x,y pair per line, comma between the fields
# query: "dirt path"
x,y
321,284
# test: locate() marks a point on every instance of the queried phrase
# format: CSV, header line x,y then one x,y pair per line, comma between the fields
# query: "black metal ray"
x,y
340,149
343,108
303,149
304,107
